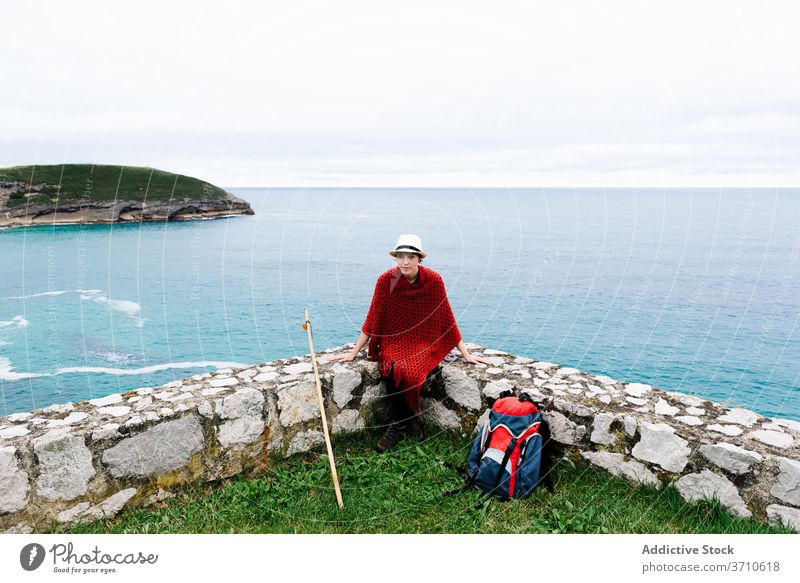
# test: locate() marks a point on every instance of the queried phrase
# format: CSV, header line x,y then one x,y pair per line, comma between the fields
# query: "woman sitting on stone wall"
x,y
410,328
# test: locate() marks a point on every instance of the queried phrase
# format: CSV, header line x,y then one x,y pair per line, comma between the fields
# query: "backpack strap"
x,y
468,482
524,445
511,445
485,495
464,488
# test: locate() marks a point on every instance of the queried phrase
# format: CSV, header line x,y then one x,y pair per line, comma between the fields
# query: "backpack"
x,y
510,456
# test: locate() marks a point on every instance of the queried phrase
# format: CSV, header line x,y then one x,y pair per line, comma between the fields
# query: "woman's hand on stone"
x,y
476,360
343,357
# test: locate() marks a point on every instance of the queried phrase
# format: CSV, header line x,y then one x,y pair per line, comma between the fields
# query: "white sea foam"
x,y
47,293
125,306
128,307
6,373
149,369
56,292
16,321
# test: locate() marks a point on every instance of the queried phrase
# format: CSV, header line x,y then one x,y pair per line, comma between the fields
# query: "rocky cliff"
x,y
94,193
123,211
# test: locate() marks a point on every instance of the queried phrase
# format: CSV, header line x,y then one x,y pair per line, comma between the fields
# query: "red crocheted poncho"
x,y
412,325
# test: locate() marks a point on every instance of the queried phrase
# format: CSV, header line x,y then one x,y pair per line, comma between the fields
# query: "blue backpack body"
x,y
509,457
505,459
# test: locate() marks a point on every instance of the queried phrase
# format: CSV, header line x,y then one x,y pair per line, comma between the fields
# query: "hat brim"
x,y
422,254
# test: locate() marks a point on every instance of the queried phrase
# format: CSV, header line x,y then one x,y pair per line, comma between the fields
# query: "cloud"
x,y
303,92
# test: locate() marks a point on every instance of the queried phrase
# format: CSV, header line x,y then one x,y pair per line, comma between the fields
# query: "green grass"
x,y
100,182
400,492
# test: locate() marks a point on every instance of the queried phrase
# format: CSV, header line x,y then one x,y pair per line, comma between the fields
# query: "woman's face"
x,y
407,262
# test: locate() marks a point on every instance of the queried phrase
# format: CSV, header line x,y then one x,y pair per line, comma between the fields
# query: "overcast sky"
x,y
409,93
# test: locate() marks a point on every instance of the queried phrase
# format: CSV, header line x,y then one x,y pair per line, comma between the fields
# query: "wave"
x,y
6,373
149,369
57,292
125,306
128,307
16,321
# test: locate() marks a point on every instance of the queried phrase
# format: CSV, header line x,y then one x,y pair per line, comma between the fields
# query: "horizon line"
x,y
500,187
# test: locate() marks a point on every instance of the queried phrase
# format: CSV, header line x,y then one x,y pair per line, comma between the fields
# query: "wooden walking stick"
x,y
307,326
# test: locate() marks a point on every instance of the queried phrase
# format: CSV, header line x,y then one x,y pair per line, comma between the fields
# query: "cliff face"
x,y
121,211
108,193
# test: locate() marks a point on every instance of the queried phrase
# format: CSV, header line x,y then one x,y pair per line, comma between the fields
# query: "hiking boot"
x,y
394,433
415,430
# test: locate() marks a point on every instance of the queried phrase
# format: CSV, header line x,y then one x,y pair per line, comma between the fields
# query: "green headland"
x,y
76,193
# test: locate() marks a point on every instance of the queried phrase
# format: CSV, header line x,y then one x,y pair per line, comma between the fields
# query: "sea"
x,y
690,290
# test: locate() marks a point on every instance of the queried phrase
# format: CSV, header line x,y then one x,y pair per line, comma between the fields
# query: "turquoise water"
x,y
688,290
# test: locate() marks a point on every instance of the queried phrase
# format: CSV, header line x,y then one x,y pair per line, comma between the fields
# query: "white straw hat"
x,y
409,244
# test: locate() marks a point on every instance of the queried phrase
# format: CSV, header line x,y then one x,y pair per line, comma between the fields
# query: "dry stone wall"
x,y
82,461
